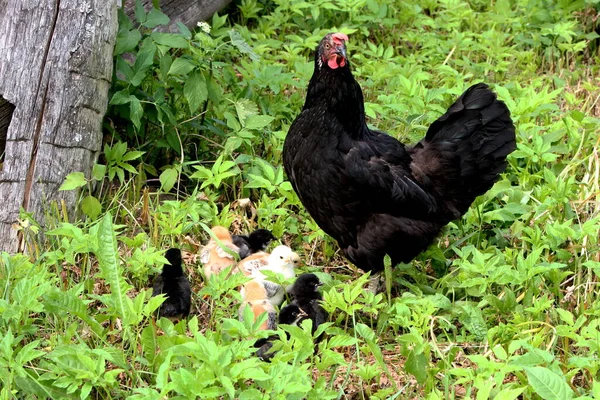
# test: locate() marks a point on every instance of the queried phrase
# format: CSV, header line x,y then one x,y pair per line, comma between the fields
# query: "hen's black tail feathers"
x,y
474,136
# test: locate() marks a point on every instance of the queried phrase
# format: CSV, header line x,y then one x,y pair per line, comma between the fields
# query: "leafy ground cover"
x,y
504,305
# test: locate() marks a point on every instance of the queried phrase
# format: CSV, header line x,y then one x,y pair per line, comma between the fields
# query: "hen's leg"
x,y
376,283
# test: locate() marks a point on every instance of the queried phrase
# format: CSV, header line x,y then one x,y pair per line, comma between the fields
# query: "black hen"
x,y
175,286
370,192
253,243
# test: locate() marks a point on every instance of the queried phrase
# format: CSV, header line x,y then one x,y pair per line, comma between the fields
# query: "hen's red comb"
x,y
339,37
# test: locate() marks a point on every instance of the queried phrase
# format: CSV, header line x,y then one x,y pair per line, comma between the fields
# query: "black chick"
x,y
253,243
175,286
289,315
305,304
306,296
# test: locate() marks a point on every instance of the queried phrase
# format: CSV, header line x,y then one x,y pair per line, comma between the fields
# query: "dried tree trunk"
x,y
188,12
55,69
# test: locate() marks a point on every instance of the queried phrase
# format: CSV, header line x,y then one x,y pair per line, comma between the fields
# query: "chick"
x,y
282,261
253,243
249,265
255,296
175,286
305,294
214,258
290,315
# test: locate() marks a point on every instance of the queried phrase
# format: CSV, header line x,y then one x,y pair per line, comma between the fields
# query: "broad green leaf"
x,y
127,41
184,30
238,41
145,57
121,97
29,353
257,181
153,304
85,390
73,181
136,112
416,364
127,167
111,270
258,121
181,66
99,171
171,40
120,174
149,342
195,91
154,18
69,302
124,70
232,144
39,388
509,394
165,65
245,108
168,178
132,155
251,394
91,207
140,13
547,384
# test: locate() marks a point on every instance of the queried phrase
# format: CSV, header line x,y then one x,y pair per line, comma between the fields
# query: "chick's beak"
x,y
302,313
292,259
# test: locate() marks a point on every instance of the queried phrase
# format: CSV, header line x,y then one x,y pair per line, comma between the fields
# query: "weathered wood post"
x,y
188,12
56,61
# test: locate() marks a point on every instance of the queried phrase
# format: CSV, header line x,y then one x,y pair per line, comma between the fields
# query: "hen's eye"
x,y
327,46
281,257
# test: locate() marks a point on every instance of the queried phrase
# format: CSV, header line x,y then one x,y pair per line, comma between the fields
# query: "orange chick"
x,y
255,296
214,258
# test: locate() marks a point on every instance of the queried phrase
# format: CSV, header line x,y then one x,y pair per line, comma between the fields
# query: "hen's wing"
x,y
379,169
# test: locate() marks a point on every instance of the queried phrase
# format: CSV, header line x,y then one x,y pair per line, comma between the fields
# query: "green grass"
x,y
505,304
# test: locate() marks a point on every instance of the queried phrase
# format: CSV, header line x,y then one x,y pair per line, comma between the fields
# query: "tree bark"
x,y
56,60
188,12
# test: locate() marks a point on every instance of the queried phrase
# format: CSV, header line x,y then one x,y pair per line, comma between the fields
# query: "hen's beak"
x,y
340,51
319,284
